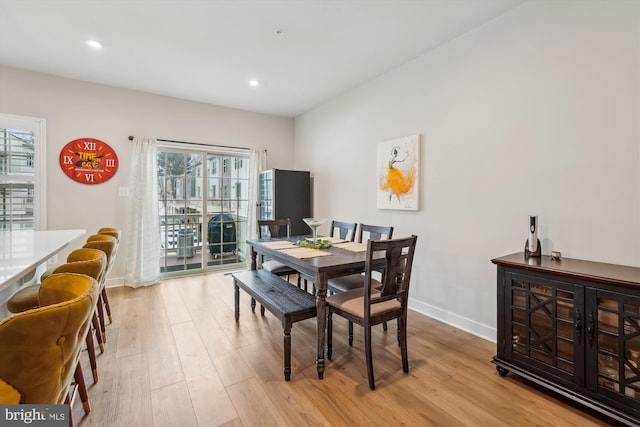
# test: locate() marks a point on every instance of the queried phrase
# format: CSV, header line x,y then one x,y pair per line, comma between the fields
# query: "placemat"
x,y
302,253
352,246
278,244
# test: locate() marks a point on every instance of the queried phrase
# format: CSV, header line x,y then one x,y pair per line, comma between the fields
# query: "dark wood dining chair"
x,y
354,281
344,230
277,228
378,301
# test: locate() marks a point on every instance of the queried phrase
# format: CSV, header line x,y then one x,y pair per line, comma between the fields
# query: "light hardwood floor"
x,y
175,356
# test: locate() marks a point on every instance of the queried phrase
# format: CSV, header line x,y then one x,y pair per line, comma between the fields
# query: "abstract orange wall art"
x,y
398,167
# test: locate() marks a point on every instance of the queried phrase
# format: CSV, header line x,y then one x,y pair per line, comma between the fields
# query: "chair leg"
x,y
350,333
236,299
96,330
82,388
67,401
384,326
253,305
402,324
92,355
369,355
107,307
103,330
329,333
261,310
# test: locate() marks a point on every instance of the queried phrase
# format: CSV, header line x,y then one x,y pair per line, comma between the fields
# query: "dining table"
x,y
342,258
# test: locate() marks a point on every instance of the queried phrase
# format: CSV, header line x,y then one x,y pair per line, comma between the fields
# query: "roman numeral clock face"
x,y
88,161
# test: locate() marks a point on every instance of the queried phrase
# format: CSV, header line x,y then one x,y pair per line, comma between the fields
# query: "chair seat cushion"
x,y
346,283
25,299
8,394
278,268
46,274
349,283
353,302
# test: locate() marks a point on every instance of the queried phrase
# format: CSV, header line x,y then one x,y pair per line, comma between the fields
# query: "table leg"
x,y
254,255
236,300
321,311
254,266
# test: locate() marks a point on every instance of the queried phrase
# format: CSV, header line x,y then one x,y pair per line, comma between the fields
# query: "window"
x,y
203,216
22,173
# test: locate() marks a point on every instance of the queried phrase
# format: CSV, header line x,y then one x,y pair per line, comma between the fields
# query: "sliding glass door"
x,y
203,197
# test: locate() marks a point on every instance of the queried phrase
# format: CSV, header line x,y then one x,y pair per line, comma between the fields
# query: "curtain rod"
x,y
197,143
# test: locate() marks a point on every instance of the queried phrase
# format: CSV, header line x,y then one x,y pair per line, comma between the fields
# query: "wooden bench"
x,y
287,302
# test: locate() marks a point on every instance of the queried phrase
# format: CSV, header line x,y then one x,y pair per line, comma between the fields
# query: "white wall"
x,y
75,109
536,112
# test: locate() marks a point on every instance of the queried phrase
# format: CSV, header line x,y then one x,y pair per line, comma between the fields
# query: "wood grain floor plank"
x,y
171,406
208,394
174,306
253,404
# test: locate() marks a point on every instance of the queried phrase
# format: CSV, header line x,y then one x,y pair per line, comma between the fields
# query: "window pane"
x,y
16,206
17,179
17,154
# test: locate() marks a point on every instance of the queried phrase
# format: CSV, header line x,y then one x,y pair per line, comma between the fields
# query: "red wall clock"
x,y
88,161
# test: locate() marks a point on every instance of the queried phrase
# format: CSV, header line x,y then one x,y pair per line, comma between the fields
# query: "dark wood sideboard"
x,y
572,326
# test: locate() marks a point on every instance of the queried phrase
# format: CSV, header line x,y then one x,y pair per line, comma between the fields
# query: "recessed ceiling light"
x,y
94,44
254,83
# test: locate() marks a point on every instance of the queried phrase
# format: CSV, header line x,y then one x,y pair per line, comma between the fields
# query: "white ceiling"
x,y
207,50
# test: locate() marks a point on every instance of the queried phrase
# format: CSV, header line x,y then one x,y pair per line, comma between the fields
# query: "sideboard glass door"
x,y
546,325
618,346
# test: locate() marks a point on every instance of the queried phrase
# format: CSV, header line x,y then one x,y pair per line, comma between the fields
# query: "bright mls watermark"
x,y
34,415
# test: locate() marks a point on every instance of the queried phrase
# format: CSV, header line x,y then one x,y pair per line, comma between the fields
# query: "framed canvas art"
x,y
398,173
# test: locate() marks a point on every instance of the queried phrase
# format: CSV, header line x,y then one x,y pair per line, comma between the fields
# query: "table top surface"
x,y
22,251
340,259
574,268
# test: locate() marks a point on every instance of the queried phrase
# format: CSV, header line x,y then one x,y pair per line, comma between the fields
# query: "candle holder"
x,y
314,224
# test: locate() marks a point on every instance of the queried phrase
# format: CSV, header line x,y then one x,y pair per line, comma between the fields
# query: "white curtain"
x,y
143,241
257,163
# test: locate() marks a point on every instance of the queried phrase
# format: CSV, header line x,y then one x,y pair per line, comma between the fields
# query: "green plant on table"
x,y
318,244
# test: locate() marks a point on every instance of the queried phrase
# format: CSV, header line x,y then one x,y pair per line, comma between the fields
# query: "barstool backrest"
x,y
41,347
92,262
111,231
107,244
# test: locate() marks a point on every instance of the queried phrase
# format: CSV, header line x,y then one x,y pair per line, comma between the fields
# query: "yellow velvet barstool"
x,y
41,347
108,245
93,263
111,231
114,232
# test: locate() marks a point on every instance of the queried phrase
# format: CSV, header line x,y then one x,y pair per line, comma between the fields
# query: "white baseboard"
x,y
114,282
478,329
